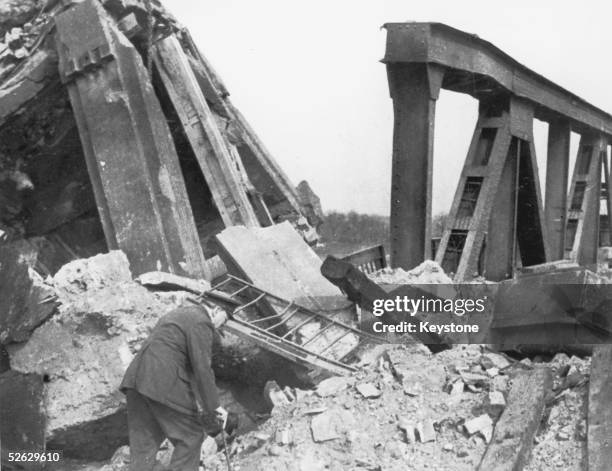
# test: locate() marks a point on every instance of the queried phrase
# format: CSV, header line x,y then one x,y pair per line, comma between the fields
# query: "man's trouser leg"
x,y
145,433
185,432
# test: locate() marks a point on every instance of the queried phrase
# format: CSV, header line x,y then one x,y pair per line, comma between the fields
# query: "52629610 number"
x,y
30,457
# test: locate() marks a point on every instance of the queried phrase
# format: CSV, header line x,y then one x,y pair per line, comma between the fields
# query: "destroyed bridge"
x,y
121,155
116,133
498,220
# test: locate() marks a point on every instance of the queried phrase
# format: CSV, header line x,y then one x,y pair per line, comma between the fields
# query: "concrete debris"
x,y
332,386
283,437
85,347
408,428
492,372
310,204
368,390
274,395
349,431
516,428
425,431
323,427
172,282
345,430
494,360
496,403
428,272
478,424
272,258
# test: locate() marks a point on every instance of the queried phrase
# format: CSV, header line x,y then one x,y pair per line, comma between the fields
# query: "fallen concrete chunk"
x,y
169,281
478,424
368,390
494,360
331,386
496,402
331,424
323,427
408,428
274,395
85,348
273,258
599,445
283,437
512,440
474,379
426,432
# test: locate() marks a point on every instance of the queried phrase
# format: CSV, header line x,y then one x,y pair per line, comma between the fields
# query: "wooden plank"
x,y
277,260
203,134
512,440
130,155
599,434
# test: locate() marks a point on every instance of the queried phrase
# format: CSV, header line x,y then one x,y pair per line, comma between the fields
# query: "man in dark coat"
x,y
171,391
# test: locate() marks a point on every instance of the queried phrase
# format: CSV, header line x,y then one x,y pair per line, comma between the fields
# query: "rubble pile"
x,y
84,348
428,272
407,409
561,440
21,24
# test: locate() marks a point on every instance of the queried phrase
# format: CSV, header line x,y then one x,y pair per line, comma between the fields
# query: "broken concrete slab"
x,y
274,259
512,440
368,390
425,431
330,424
478,424
599,447
408,428
332,386
323,428
274,395
25,300
84,349
494,360
171,282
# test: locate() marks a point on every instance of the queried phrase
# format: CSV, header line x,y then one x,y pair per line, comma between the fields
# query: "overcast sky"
x,y
307,76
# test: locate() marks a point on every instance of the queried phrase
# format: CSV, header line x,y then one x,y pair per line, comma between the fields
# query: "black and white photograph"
x,y
305,236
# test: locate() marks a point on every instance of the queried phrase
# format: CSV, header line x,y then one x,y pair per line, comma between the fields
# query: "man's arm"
x,y
199,350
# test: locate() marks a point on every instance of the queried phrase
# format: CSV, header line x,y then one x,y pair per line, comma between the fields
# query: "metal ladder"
x,y
282,330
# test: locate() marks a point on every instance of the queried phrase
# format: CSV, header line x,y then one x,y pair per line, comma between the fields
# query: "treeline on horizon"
x,y
364,229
